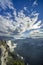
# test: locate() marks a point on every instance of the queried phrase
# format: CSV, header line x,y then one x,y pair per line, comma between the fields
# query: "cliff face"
x,y
4,52
7,56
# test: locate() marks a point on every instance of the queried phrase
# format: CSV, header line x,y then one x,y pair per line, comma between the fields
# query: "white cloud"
x,y
15,13
6,24
25,8
27,23
35,3
36,33
5,3
34,13
21,24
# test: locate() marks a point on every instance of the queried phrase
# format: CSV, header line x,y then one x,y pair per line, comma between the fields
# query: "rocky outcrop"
x,y
7,55
4,52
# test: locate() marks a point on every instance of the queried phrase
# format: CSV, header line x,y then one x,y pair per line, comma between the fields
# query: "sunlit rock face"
x,y
4,55
4,52
11,45
5,48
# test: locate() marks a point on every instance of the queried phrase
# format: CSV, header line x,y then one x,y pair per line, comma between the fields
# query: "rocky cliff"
x,y
7,55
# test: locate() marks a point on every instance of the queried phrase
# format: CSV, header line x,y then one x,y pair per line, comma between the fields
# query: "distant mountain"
x,y
5,38
31,50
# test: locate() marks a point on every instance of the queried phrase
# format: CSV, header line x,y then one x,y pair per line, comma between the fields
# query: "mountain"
x,y
31,50
7,57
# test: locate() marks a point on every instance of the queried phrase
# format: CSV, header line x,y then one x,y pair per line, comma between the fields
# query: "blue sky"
x,y
21,18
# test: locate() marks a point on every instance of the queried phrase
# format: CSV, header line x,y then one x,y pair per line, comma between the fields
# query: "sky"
x,y
21,19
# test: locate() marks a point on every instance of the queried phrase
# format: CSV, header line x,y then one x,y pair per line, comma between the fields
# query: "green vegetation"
x,y
12,61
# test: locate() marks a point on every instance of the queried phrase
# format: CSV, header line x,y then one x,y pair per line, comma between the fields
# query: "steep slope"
x,y
7,57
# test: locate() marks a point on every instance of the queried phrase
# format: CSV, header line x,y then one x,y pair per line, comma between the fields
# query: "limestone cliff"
x,y
7,56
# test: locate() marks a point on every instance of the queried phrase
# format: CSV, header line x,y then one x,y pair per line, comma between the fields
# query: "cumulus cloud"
x,y
27,23
6,25
36,33
21,23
